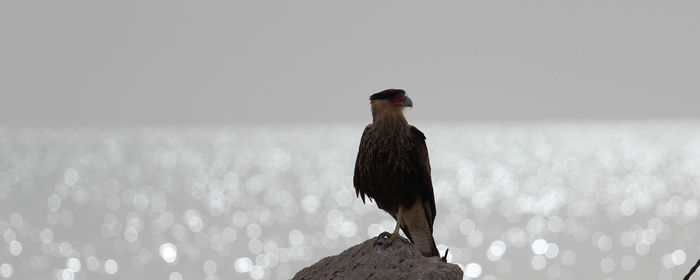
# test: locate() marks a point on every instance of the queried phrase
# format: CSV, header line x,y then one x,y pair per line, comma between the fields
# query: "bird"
x,y
393,169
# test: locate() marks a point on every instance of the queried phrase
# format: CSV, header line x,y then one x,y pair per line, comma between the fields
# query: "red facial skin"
x,y
398,100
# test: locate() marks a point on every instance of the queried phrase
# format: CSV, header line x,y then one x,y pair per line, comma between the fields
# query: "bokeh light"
x,y
541,201
168,252
472,270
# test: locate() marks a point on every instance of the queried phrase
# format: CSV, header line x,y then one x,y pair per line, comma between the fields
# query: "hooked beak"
x,y
407,102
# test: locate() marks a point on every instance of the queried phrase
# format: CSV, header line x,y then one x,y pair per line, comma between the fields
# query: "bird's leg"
x,y
392,236
399,220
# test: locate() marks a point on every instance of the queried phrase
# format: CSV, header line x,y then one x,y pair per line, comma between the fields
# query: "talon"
x,y
399,237
382,239
384,235
386,239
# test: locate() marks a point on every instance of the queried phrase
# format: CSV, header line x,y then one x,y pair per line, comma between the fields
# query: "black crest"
x,y
387,94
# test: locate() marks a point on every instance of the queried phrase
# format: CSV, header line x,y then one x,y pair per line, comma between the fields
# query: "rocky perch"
x,y
369,261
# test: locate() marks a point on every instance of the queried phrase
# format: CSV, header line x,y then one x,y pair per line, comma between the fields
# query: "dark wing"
x,y
360,177
421,164
421,184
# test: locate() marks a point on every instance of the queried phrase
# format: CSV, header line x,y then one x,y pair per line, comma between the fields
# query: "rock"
x,y
366,260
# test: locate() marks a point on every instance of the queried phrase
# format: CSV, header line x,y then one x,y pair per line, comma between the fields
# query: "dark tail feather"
x,y
423,241
417,228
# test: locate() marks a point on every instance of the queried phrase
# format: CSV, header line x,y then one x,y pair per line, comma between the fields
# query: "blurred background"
x,y
216,140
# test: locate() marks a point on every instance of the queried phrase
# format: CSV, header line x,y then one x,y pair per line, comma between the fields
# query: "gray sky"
x,y
191,62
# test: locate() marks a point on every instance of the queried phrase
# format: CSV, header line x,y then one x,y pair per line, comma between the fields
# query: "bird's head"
x,y
389,103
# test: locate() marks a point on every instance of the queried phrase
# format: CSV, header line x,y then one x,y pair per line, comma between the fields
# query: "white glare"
x,y
66,274
15,248
530,202
6,270
111,266
552,250
498,248
73,265
539,246
243,265
472,270
168,252
678,257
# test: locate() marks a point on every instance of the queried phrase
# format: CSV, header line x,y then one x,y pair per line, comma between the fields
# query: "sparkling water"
x,y
526,201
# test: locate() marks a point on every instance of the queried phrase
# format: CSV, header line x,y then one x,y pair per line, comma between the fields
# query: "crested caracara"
x,y
392,167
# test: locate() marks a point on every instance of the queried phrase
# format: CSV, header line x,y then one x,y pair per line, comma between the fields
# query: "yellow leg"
x,y
396,234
